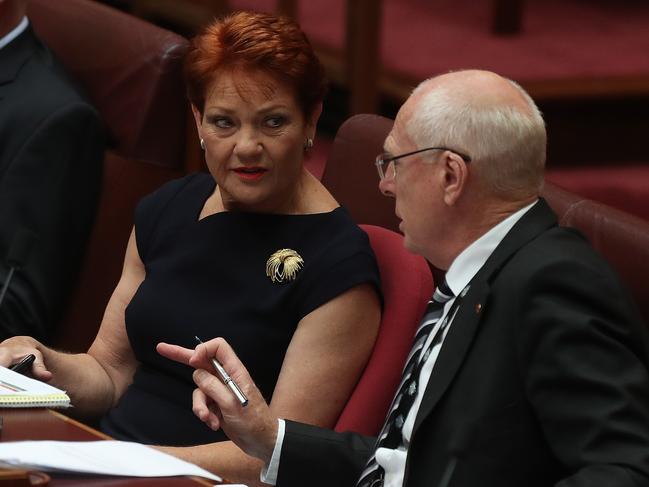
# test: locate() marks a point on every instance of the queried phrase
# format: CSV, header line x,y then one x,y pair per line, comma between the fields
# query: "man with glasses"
x,y
530,365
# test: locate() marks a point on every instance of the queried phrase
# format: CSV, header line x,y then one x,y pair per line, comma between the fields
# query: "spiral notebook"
x,y
20,391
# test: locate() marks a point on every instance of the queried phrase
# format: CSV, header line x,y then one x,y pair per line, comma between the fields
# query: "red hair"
x,y
256,42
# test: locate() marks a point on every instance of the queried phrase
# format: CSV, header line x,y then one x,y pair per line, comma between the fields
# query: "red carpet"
x,y
561,39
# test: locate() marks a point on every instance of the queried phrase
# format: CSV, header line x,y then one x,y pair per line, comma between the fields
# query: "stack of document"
x,y
120,458
20,391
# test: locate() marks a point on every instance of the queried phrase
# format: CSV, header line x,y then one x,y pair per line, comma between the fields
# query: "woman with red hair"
x,y
257,251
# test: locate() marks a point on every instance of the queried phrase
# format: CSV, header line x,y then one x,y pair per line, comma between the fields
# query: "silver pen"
x,y
227,380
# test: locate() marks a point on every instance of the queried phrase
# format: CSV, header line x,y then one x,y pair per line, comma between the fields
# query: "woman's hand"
x,y
253,428
14,349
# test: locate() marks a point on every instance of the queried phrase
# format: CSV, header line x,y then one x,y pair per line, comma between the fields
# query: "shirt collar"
x,y
19,29
468,263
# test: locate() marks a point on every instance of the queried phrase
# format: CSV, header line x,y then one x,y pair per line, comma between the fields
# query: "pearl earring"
x,y
308,144
202,143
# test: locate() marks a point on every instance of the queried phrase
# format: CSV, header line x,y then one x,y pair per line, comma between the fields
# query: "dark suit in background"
x,y
544,370
51,147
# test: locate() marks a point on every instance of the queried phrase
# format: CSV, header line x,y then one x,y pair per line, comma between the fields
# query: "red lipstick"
x,y
250,173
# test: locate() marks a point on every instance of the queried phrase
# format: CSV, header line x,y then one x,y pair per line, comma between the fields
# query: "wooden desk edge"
x,y
80,425
104,436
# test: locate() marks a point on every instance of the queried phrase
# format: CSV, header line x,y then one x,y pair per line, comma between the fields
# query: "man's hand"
x,y
252,428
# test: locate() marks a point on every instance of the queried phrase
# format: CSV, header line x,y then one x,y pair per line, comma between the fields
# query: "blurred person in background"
x,y
51,148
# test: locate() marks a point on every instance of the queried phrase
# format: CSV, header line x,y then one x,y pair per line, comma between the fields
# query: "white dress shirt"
x,y
15,32
459,275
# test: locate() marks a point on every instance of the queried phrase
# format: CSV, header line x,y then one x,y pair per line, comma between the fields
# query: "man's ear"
x,y
198,119
455,177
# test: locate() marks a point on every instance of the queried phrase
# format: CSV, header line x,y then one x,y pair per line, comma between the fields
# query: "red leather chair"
x,y
350,175
622,239
131,72
407,286
622,185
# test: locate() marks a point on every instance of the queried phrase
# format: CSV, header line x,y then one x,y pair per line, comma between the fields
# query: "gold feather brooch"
x,y
284,265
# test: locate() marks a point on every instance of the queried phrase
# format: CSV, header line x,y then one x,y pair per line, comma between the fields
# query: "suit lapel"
x,y
465,324
456,344
13,57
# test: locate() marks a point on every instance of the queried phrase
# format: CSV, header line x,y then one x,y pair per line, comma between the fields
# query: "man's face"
x,y
413,185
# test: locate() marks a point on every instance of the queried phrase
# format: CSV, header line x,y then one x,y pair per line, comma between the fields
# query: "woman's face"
x,y
254,133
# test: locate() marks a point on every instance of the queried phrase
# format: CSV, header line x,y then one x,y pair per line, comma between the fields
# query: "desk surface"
x,y
43,424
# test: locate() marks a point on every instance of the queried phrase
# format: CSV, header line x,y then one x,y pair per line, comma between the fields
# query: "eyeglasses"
x,y
385,161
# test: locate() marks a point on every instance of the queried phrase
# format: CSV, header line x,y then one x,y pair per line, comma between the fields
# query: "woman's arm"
x,y
324,360
94,380
326,357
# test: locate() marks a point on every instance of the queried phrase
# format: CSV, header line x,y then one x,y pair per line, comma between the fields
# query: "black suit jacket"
x,y
544,371
51,148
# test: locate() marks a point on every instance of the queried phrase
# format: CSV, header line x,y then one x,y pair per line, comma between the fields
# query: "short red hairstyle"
x,y
256,41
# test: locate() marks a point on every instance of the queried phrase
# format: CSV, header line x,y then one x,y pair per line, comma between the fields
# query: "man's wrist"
x,y
271,467
266,444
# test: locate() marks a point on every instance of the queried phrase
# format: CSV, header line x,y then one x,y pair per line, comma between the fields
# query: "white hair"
x,y
507,144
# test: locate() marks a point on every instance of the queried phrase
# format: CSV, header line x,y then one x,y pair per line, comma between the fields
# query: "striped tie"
x,y
390,436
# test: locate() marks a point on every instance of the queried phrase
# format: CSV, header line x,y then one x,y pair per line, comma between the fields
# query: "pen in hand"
x,y
227,380
24,365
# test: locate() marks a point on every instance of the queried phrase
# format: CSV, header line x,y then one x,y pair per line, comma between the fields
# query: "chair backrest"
x,y
129,69
132,72
407,286
622,239
350,173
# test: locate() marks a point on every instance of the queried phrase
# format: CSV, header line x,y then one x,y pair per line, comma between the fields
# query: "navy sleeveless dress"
x,y
208,278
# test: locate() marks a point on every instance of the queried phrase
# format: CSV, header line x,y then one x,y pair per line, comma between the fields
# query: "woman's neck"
x,y
308,196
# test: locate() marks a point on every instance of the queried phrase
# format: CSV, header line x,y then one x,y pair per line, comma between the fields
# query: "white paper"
x,y
97,457
17,390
